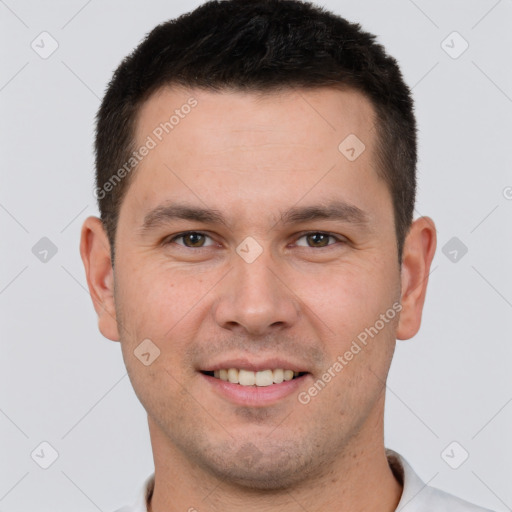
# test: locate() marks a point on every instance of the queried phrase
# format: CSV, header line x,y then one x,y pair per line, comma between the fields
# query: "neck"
x,y
358,479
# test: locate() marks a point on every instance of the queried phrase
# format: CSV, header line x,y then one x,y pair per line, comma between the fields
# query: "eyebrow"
x,y
164,214
333,210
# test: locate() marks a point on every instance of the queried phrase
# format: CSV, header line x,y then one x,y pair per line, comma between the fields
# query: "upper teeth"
x,y
249,378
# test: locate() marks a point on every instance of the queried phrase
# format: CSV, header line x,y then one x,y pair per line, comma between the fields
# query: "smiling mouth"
x,y
249,378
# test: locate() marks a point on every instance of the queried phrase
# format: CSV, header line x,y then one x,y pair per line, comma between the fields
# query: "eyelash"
x,y
305,234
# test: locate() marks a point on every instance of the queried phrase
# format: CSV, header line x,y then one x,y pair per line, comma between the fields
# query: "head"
x,y
282,139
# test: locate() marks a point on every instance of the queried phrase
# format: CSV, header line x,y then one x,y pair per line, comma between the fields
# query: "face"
x,y
249,239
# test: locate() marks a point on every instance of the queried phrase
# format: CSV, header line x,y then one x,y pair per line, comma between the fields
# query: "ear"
x,y
418,252
95,253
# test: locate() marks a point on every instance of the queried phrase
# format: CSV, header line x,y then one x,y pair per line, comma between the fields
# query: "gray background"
x,y
64,384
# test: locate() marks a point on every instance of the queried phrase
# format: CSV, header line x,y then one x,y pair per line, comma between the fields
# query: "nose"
x,y
255,298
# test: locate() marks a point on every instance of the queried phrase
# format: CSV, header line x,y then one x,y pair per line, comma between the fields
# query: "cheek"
x,y
158,306
154,298
345,299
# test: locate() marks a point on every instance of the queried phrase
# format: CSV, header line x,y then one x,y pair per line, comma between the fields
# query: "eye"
x,y
198,240
317,239
191,239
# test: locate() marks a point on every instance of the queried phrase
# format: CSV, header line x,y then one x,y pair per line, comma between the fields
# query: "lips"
x,y
252,374
255,395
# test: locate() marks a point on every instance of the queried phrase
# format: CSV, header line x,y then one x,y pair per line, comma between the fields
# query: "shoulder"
x,y
440,501
419,497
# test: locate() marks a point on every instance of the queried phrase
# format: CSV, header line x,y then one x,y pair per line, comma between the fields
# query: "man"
x,y
257,258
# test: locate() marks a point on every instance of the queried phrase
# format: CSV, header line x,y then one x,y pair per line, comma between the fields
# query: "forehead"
x,y
236,121
281,146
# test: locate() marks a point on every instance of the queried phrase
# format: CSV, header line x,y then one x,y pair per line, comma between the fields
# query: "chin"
x,y
263,479
249,468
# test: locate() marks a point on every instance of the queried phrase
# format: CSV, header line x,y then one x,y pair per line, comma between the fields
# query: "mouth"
x,y
260,378
249,383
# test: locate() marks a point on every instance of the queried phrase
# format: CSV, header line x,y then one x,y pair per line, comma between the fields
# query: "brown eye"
x,y
316,239
192,239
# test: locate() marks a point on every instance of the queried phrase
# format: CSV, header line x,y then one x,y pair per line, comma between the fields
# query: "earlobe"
x,y
418,252
95,253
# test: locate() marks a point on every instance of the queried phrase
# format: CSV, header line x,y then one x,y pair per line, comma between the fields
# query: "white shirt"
x,y
416,495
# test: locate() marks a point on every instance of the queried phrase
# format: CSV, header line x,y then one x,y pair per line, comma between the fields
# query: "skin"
x,y
251,157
